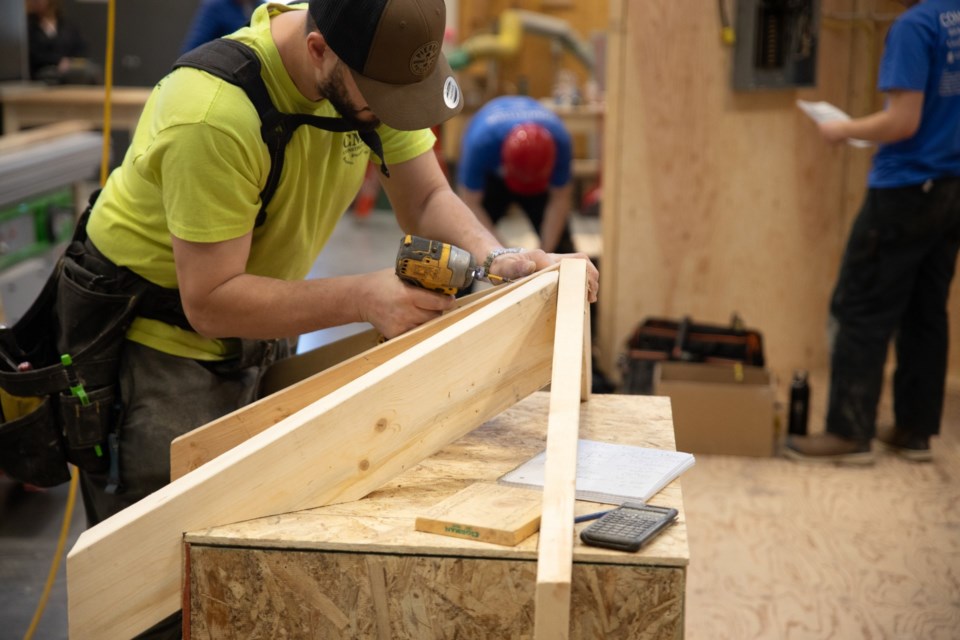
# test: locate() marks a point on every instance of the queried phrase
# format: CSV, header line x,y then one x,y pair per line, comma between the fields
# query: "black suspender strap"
x,y
238,64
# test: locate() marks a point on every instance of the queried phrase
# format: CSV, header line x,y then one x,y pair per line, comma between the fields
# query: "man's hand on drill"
x,y
393,307
513,266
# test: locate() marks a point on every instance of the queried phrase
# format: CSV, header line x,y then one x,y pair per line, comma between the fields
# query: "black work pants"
x,y
497,199
894,283
164,397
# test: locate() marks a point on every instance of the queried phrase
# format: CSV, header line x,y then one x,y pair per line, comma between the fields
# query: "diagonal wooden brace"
x,y
346,360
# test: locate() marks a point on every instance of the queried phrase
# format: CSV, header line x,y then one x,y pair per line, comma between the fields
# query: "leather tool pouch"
x,y
62,409
32,449
91,312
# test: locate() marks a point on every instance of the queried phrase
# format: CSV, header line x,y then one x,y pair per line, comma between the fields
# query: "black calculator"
x,y
628,527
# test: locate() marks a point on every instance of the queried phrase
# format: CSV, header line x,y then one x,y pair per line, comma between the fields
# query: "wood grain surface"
x,y
555,555
384,521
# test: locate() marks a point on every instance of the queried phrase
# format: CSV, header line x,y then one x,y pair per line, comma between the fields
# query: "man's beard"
x,y
334,90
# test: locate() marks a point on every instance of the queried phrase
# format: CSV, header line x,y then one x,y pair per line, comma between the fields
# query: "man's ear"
x,y
317,47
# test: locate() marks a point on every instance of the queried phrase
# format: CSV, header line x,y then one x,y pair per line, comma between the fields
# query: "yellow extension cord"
x,y
74,473
55,565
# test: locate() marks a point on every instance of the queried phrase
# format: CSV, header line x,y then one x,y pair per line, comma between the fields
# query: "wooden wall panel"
x,y
718,201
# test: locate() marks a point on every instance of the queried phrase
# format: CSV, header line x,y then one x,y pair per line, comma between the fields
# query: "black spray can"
x,y
799,404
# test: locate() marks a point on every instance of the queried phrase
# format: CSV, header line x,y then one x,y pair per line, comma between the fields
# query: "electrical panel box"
x,y
776,44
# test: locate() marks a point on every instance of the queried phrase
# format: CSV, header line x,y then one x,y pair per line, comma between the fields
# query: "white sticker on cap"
x,y
451,93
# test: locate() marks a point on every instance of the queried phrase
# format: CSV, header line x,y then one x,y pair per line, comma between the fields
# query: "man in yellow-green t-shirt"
x,y
182,212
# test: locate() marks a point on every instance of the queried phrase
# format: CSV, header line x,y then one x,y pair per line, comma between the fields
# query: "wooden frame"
x,y
379,423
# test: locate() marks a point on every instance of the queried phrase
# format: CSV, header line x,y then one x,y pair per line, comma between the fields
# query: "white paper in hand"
x,y
826,112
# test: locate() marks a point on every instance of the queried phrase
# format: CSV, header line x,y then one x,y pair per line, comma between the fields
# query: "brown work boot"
x,y
905,444
827,447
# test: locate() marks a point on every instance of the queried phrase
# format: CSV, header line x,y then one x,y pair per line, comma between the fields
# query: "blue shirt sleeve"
x,y
906,59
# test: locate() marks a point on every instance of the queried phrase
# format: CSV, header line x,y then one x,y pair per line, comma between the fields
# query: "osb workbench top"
x,y
383,522
359,570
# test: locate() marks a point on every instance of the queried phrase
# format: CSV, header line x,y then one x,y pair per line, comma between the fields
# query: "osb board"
x,y
256,593
718,201
826,551
383,522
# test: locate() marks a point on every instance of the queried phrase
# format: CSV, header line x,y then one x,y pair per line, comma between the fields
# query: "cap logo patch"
x,y
424,58
451,93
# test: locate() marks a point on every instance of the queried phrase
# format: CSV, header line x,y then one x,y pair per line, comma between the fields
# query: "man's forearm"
x,y
898,121
447,218
425,205
250,306
474,201
879,127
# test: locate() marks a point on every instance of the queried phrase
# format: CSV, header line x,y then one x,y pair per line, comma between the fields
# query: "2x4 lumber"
x,y
203,444
123,575
291,370
555,551
586,368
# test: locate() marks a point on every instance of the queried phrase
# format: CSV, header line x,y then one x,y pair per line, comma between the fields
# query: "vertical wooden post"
x,y
586,377
555,554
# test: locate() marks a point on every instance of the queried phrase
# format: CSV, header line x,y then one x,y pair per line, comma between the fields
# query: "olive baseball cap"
x,y
392,48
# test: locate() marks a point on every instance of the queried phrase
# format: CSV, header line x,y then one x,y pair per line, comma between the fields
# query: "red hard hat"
x,y
528,153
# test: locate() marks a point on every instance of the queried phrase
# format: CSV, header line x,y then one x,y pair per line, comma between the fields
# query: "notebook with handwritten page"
x,y
610,473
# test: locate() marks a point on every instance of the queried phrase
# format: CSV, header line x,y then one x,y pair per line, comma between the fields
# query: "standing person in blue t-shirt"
x,y
217,18
515,150
902,250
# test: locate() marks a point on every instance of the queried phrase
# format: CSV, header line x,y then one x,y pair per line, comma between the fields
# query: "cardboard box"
x,y
720,409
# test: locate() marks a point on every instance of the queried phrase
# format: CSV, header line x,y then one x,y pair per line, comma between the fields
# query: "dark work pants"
x,y
164,397
894,283
497,199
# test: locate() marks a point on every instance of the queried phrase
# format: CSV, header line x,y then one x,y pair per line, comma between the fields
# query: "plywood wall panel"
x,y
718,201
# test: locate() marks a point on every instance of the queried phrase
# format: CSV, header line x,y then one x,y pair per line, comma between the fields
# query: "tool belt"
x,y
59,364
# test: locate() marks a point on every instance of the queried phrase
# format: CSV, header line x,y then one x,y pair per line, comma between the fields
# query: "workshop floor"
x,y
778,550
